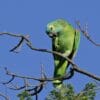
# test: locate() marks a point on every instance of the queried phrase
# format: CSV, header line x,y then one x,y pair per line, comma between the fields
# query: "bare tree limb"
x,y
29,44
42,81
18,45
17,88
12,78
75,67
86,34
4,96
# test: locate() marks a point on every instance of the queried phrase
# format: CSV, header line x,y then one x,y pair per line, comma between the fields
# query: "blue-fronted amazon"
x,y
65,39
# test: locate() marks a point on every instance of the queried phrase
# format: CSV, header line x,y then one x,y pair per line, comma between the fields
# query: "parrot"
x,y
65,40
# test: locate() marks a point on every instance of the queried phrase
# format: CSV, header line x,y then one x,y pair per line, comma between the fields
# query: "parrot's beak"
x,y
51,34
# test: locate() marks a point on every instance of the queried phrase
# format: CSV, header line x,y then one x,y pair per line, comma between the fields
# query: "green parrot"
x,y
65,39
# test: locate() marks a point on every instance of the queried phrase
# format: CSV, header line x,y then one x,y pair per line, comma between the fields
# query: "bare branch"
x,y
12,78
75,67
42,81
9,80
18,45
23,37
29,44
37,89
17,88
4,96
11,34
86,34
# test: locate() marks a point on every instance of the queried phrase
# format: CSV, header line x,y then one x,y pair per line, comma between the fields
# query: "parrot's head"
x,y
54,28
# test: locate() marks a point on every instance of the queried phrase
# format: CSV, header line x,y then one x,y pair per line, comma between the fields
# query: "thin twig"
x,y
18,45
9,80
86,34
4,96
17,88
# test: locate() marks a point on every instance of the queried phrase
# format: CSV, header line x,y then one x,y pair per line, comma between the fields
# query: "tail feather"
x,y
59,71
57,84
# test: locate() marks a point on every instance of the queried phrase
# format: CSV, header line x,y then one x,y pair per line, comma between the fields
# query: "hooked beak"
x,y
51,34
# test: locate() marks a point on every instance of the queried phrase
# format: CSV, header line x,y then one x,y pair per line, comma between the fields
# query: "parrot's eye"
x,y
51,28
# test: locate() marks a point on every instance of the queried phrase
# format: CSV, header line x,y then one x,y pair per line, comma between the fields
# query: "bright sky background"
x,y
30,17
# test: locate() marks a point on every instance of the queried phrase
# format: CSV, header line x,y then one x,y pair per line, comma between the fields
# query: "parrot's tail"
x,y
57,84
59,71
